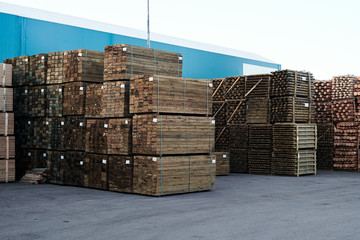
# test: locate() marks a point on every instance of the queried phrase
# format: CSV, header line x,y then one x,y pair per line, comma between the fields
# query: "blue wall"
x,y
25,36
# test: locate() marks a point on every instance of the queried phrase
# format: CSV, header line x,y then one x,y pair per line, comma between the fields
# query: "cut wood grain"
x,y
222,163
38,69
291,109
94,101
115,99
343,87
75,132
258,111
121,169
5,75
74,97
7,170
96,171
37,101
20,70
54,97
55,68
239,136
56,166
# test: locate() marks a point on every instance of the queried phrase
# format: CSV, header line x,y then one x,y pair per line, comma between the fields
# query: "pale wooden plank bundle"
x,y
7,124
258,85
55,68
293,136
74,95
37,101
121,170
158,176
258,111
75,132
294,163
239,161
6,100
222,163
343,87
109,136
56,166
291,109
115,99
165,94
24,132
155,134
96,171
7,170
54,97
7,147
124,61
20,70
5,75
83,66
37,69
21,95
94,100
74,168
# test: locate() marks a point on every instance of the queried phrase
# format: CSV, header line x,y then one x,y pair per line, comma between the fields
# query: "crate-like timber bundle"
x,y
346,160
158,176
222,163
291,109
7,124
236,111
7,147
54,96
239,136
55,68
258,111
260,161
37,69
41,132
323,91
164,94
239,161
294,163
21,95
24,132
343,110
123,61
325,134
74,97
5,75
37,101
121,169
292,136
323,112
83,66
7,170
56,166
74,168
235,88
56,137
324,158
115,99
221,137
219,109
343,87
6,99
75,132
96,171
260,83
20,70
35,158
157,135
20,162
292,83
94,104
220,87
109,136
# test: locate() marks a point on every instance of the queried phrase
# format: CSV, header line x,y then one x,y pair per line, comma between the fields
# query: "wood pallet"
x,y
239,136
239,161
109,136
157,176
344,110
155,134
94,103
123,61
55,69
323,91
343,87
75,132
258,111
21,95
74,168
7,170
38,69
7,124
56,166
24,132
54,97
164,94
7,147
6,100
262,83
83,66
96,171
291,109
294,163
37,101
20,70
5,75
222,163
115,99
294,136
121,169
74,96
323,112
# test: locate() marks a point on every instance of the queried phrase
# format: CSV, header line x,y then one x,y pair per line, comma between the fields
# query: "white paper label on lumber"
x,y
104,161
124,49
62,123
306,105
81,163
154,159
303,78
29,122
213,121
26,91
127,162
44,154
81,124
29,154
62,157
155,120
42,90
81,88
60,90
151,79
122,85
106,125
213,161
210,85
180,58
47,123
80,54
43,57
224,156
26,59
126,122
102,87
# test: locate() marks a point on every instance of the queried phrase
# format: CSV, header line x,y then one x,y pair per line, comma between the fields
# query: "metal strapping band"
x,y
158,89
4,72
85,65
184,94
6,170
154,61
7,148
5,101
161,163
132,54
6,123
210,150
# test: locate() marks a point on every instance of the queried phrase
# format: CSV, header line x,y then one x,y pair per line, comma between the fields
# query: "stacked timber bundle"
x,y
55,166
322,104
24,132
257,111
55,68
74,169
20,70
346,153
56,133
6,99
291,109
109,136
37,69
94,101
21,95
158,176
124,61
323,91
325,146
35,158
343,110
41,130
222,163
258,85
75,132
83,66
54,99
343,87
115,99
74,95
96,168
121,173
37,101
152,94
260,148
238,148
294,149
6,75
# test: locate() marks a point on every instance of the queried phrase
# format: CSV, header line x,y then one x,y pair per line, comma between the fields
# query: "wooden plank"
x,y
343,87
7,170
7,124
262,89
38,69
7,147
6,100
37,101
20,70
94,101
96,171
55,68
293,136
222,163
5,75
121,170
115,99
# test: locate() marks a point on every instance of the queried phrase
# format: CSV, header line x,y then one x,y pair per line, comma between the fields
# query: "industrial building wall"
x,y
26,36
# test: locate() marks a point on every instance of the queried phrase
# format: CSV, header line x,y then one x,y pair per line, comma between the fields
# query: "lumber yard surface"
x,y
325,206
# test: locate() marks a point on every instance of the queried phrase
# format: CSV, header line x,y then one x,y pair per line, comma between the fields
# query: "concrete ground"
x,y
326,206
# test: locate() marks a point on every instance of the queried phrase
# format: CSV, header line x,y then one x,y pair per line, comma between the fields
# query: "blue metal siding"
x,y
25,36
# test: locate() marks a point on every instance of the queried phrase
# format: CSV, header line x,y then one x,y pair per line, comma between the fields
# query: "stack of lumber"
x,y
325,146
55,68
115,99
109,136
219,113
294,149
96,171
257,111
260,148
75,132
291,109
322,103
21,95
20,70
236,111
343,110
220,86
7,170
41,129
37,101
34,158
83,66
165,94
56,133
258,85
37,69
121,173
158,176
74,169
238,148
346,143
74,95
54,99
94,101
35,176
222,163
6,75
24,132
123,61
235,88
6,99
343,87
55,166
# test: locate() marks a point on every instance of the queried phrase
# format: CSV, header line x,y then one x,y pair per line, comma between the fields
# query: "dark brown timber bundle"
x,y
7,170
83,66
155,134
124,61
37,101
24,132
235,88
294,136
222,163
220,87
74,98
239,160
343,110
164,94
74,168
157,176
20,70
5,75
291,109
236,111
56,133
35,158
75,132
56,166
21,95
325,134
41,133
96,171
115,99
219,114
55,68
7,124
6,100
37,69
54,96
94,103
258,111
239,136
324,158
323,112
120,175
323,91
259,85
343,87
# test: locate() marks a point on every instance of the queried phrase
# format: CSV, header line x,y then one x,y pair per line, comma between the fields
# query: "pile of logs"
x,y
325,146
322,104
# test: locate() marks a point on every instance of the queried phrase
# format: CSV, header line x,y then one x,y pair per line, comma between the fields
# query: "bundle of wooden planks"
x,y
235,88
75,132
165,94
37,101
239,160
55,70
96,168
20,70
38,69
24,132
93,101
123,61
74,95
5,75
7,170
325,146
54,99
41,133
6,124
322,103
6,99
258,85
219,114
74,169
220,87
56,137
121,173
238,147
83,65
56,166
222,163
115,99
291,109
294,149
258,111
158,176
21,95
155,134
236,111
7,147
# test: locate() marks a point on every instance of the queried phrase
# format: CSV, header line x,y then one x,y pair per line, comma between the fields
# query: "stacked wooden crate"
x,y
222,163
7,138
325,146
322,101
